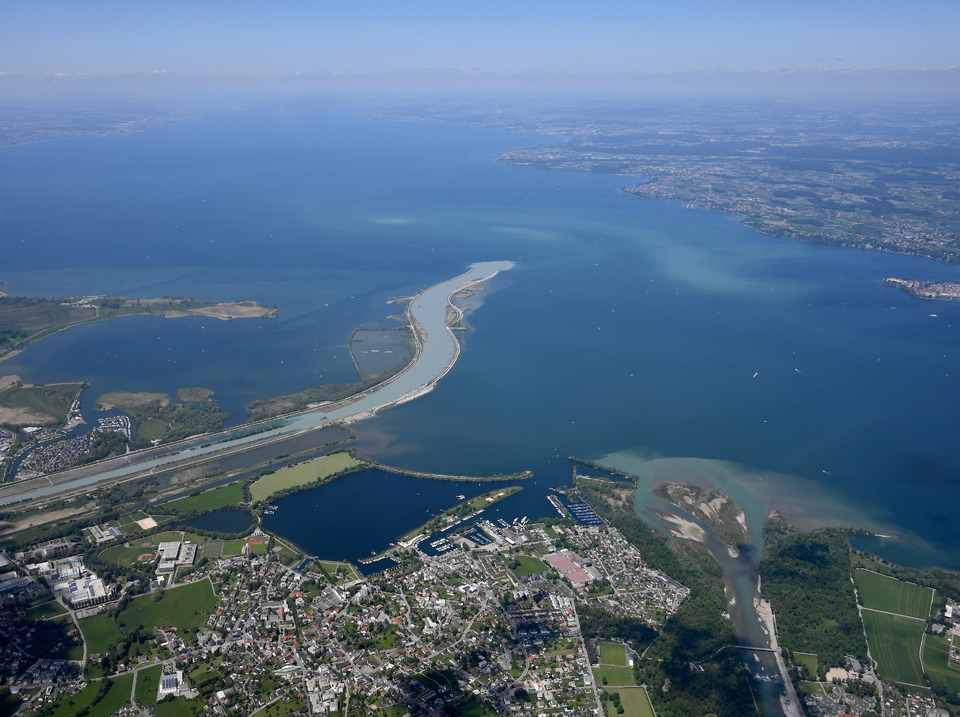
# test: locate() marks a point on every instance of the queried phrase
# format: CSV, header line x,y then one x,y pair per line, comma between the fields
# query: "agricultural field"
x,y
878,592
117,696
614,676
895,644
99,632
635,701
302,474
528,566
231,495
612,653
936,659
148,682
185,608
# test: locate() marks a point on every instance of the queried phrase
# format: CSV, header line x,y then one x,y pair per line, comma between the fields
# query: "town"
x,y
485,622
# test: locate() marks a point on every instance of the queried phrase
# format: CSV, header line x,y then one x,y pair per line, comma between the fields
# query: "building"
x,y
188,554
82,592
170,684
569,565
168,552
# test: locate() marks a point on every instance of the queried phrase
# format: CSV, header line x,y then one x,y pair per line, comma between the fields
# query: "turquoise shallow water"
x,y
624,323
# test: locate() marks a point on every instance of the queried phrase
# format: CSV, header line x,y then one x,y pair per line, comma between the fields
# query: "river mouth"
x,y
427,312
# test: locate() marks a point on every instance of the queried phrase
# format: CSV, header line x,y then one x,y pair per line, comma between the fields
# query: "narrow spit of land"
x,y
437,351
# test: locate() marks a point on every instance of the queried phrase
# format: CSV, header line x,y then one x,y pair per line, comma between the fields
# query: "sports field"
x,y
140,551
880,592
612,653
635,703
302,474
936,658
895,645
614,676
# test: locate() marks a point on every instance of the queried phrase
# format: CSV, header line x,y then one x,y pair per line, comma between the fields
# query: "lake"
x,y
625,327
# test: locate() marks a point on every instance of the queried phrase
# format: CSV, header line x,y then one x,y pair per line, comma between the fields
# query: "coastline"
x,y
355,408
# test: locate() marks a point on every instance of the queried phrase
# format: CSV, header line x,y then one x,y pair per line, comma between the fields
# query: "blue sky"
x,y
256,38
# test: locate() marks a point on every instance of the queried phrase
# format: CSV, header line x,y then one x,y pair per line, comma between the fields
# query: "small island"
x,y
942,290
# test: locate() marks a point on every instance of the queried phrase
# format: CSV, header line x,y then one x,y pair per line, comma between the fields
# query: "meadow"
x,y
635,701
895,645
231,495
879,592
936,660
301,475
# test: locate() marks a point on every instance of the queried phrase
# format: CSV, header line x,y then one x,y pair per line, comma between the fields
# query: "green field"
x,y
185,608
153,429
53,400
232,547
879,592
528,566
47,609
808,662
302,474
329,568
231,494
614,675
635,701
895,645
128,557
148,682
117,696
936,658
100,632
613,653
9,704
179,707
277,709
811,688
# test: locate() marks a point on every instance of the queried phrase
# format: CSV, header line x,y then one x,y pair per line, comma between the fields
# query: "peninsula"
x,y
25,320
926,289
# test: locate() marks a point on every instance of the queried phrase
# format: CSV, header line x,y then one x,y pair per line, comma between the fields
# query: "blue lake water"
x,y
625,325
225,520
